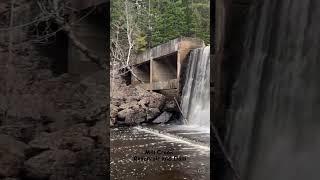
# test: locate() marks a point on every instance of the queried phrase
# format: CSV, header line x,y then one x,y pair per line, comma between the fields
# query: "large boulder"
x,y
132,116
157,101
129,105
92,164
75,138
171,106
99,133
113,111
125,114
12,156
58,163
163,118
132,105
24,129
152,113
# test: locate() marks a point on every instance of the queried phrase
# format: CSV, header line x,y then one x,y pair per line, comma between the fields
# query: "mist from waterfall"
x,y
195,103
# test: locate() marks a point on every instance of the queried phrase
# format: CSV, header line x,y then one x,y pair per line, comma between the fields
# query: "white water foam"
x,y
172,138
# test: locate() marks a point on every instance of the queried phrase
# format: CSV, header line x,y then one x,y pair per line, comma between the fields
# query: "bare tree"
x,y
124,31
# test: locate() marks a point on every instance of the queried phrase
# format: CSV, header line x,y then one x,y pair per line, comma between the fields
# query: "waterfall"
x,y
273,125
195,102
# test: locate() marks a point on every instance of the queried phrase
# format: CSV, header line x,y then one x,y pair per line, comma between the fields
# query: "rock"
x,y
113,111
22,133
99,133
132,116
163,118
59,163
170,106
139,117
12,156
157,101
133,98
133,105
23,129
128,105
117,101
96,113
74,138
44,74
92,164
144,102
125,114
112,121
152,113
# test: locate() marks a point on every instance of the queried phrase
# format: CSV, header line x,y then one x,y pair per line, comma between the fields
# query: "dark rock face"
x,y
99,133
56,163
92,164
12,156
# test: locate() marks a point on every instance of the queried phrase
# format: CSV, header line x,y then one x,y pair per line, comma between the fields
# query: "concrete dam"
x,y
161,68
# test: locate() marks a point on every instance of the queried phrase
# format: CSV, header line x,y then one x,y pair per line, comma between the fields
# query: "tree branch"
x,y
83,48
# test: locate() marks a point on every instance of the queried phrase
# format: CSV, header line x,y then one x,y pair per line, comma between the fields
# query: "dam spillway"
x,y
195,101
160,68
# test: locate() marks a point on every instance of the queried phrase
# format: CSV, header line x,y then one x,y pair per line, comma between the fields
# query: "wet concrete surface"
x,y
167,152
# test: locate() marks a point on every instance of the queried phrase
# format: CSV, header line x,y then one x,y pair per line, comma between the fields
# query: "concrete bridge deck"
x,y
160,67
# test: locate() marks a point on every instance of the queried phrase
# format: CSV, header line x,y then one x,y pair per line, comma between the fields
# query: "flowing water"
x,y
273,125
159,153
175,152
195,101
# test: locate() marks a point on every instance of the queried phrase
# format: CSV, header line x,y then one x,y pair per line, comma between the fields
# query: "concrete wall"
x,y
166,61
164,68
170,47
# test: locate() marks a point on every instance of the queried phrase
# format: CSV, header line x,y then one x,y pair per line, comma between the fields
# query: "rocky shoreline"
x,y
135,106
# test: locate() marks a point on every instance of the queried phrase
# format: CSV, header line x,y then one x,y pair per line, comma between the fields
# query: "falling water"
x,y
273,125
195,102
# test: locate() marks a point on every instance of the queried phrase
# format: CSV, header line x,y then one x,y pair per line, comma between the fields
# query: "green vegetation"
x,y
158,21
172,19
